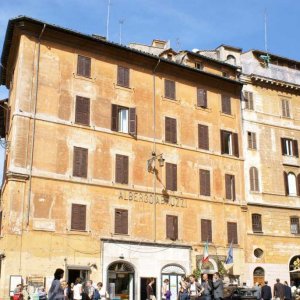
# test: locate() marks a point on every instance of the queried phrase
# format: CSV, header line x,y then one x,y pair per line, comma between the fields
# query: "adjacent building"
x,y
121,164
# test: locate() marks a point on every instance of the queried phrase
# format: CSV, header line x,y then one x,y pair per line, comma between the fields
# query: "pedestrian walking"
x,y
207,288
56,291
257,292
194,288
100,292
77,290
279,290
287,291
266,293
165,290
150,292
218,286
184,289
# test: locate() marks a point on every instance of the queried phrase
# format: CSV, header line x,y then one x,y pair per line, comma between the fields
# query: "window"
x,y
206,231
123,119
204,182
254,182
121,169
229,143
172,227
203,137
82,111
123,76
121,221
231,59
285,106
232,233
248,97
258,253
78,217
84,66
169,56
256,223
201,98
80,162
199,65
170,89
226,105
291,183
251,140
230,187
289,147
171,177
295,225
170,130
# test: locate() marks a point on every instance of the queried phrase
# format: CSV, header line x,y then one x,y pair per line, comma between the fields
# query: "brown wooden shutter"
x,y
170,130
223,141
283,108
203,137
226,104
286,184
84,66
206,231
123,76
82,111
174,131
283,146
114,117
78,217
253,140
122,165
204,182
126,77
175,226
1,216
170,89
125,169
172,227
298,184
174,179
132,121
171,177
121,221
232,233
246,99
256,180
201,98
80,162
235,144
228,186
7,113
233,187
295,148
287,106
256,223
251,179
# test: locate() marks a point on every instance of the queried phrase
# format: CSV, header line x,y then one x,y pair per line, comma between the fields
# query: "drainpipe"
x,y
34,121
154,147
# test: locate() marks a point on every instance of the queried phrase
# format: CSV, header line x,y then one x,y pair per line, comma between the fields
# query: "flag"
x,y
205,253
229,258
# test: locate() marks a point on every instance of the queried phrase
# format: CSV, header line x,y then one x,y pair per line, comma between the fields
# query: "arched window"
x,y
231,59
291,178
254,182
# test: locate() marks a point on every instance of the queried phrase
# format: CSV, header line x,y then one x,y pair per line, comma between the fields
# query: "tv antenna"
x,y
266,57
178,43
121,22
107,19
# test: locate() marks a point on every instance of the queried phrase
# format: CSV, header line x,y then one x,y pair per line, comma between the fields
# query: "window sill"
x,y
255,192
229,155
125,134
205,197
176,101
287,118
233,245
78,232
258,232
249,109
252,149
123,88
120,184
227,115
82,125
91,79
171,143
206,109
121,234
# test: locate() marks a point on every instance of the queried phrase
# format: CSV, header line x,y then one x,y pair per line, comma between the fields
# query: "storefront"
x,y
126,267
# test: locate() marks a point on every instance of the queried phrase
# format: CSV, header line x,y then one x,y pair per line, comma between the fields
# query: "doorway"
x,y
143,287
259,276
73,273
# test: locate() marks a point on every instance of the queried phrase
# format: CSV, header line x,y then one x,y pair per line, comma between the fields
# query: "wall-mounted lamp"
x,y
150,162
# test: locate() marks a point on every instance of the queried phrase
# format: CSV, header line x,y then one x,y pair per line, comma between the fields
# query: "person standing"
x,y
207,287
218,286
89,290
287,291
194,288
184,289
266,293
77,290
165,288
257,292
56,291
25,292
150,292
102,291
278,290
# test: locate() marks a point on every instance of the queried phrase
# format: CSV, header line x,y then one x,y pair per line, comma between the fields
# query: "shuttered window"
x,y
285,106
230,187
171,177
84,66
204,182
170,91
201,98
78,217
172,227
226,104
123,119
80,162
251,140
256,223
232,233
289,147
170,130
295,225
203,137
123,76
248,98
206,231
229,143
122,169
82,111
121,221
254,181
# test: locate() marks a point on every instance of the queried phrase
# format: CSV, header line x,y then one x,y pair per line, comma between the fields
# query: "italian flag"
x,y
205,253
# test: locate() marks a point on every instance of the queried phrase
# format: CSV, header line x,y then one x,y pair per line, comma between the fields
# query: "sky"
x,y
188,24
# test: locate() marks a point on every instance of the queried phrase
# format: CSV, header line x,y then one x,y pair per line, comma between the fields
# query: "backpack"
x,y
96,295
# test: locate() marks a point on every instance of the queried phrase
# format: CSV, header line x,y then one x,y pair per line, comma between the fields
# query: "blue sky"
x,y
187,24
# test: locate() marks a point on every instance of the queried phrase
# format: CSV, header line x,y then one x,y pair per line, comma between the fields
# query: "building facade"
x,y
121,164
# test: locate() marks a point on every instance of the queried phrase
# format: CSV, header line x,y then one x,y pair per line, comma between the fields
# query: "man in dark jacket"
x,y
287,291
279,290
218,287
266,292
